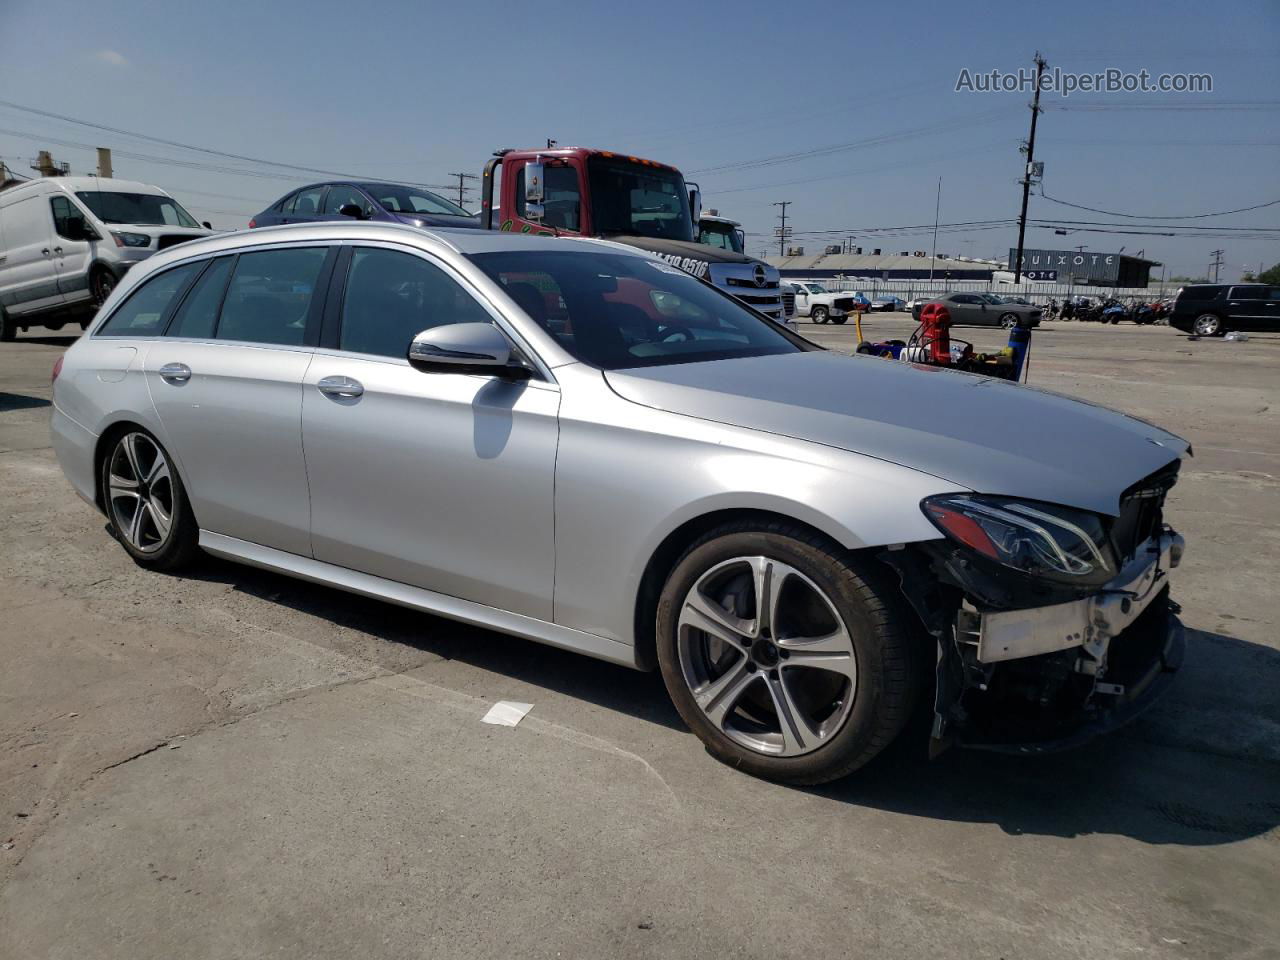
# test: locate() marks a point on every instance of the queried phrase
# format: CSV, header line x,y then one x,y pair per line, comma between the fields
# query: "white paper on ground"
x,y
506,713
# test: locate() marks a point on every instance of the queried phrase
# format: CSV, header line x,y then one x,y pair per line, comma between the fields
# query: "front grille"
x,y
171,240
743,282
1142,511
757,301
789,301
843,303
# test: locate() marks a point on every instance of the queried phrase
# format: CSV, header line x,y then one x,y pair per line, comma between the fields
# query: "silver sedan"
x,y
576,443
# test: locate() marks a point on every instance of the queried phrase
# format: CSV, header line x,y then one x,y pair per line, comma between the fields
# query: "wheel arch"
x,y
663,558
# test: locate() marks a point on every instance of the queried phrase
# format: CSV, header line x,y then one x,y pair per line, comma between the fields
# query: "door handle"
x,y
175,373
343,388
57,250
45,251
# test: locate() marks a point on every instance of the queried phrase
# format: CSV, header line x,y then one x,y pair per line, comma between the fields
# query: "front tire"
x,y
819,315
1009,321
101,284
839,320
805,692
146,503
8,329
1207,325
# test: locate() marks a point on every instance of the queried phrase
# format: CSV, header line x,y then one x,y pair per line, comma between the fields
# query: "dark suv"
x,y
387,202
1210,309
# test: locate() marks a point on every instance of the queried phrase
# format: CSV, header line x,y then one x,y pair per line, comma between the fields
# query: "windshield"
x,y
398,199
640,201
614,311
720,235
142,209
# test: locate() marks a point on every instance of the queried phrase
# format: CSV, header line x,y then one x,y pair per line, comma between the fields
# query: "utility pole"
x,y
104,162
463,189
1026,176
1215,263
782,230
933,256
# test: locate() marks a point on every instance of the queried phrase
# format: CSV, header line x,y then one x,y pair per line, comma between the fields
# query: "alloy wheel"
x,y
140,492
1207,325
766,656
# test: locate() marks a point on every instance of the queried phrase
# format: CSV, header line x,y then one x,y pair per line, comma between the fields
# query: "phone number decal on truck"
x,y
688,264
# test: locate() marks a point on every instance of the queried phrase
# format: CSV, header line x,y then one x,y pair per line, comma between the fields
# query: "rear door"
x,y
226,381
343,194
306,207
29,272
1249,306
440,480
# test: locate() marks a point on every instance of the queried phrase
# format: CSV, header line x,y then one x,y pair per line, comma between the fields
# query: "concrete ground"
x,y
233,764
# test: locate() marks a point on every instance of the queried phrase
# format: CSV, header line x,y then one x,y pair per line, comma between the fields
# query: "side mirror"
x,y
465,348
534,192
206,224
695,203
351,210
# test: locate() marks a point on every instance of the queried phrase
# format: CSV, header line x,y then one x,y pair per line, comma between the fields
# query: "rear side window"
x,y
198,314
1249,293
270,295
307,203
286,205
142,313
1202,293
391,297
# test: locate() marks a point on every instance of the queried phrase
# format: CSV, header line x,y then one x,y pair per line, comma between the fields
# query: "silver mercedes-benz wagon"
x,y
574,442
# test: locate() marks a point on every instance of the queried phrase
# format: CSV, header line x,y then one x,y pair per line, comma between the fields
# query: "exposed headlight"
x,y
1038,539
131,239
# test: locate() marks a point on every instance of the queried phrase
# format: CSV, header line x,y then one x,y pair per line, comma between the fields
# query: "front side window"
x,y
638,200
340,195
198,315
391,297
68,219
141,314
815,287
140,209
562,200
401,199
269,296
617,311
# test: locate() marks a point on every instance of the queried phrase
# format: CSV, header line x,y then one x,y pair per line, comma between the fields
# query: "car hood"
x,y
988,435
157,228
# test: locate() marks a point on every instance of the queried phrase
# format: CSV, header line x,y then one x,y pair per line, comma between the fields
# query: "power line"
x,y
1095,105
1140,216
184,146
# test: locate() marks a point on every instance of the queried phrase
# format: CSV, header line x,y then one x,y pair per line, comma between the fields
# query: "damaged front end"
x,y
1052,625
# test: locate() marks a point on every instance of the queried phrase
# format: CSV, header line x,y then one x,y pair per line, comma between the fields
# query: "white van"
x,y
65,242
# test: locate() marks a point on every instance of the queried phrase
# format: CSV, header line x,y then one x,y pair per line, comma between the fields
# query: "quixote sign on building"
x,y
1111,269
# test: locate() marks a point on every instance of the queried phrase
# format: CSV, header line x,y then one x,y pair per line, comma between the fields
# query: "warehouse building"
x,y
906,265
1085,267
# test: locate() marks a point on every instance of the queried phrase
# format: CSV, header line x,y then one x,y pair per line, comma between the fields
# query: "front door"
x,y
227,385
439,480
72,250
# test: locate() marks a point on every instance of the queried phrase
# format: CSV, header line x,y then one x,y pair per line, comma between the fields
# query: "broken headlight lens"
x,y
1038,539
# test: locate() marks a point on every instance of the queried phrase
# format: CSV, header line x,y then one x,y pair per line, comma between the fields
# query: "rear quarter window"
x,y
144,312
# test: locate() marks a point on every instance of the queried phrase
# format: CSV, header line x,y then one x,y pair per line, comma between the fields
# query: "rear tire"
x,y
145,502
1009,321
819,315
8,329
834,655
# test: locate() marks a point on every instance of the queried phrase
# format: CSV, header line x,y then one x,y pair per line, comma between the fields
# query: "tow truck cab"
x,y
574,191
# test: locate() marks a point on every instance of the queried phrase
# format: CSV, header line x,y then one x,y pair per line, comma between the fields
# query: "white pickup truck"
x,y
819,304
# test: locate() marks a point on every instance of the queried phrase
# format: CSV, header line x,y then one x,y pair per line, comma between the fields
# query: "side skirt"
x,y
417,598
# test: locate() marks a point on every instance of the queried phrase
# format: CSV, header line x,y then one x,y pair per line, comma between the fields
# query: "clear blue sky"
x,y
414,90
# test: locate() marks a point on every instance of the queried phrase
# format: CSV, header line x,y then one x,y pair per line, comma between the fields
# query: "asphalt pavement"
x,y
230,763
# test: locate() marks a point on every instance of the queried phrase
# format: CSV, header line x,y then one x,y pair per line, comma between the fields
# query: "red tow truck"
x,y
575,191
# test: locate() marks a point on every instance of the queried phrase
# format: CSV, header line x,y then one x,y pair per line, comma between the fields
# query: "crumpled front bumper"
x,y
1049,678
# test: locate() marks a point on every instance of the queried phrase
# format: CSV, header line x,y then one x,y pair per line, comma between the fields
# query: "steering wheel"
x,y
668,332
